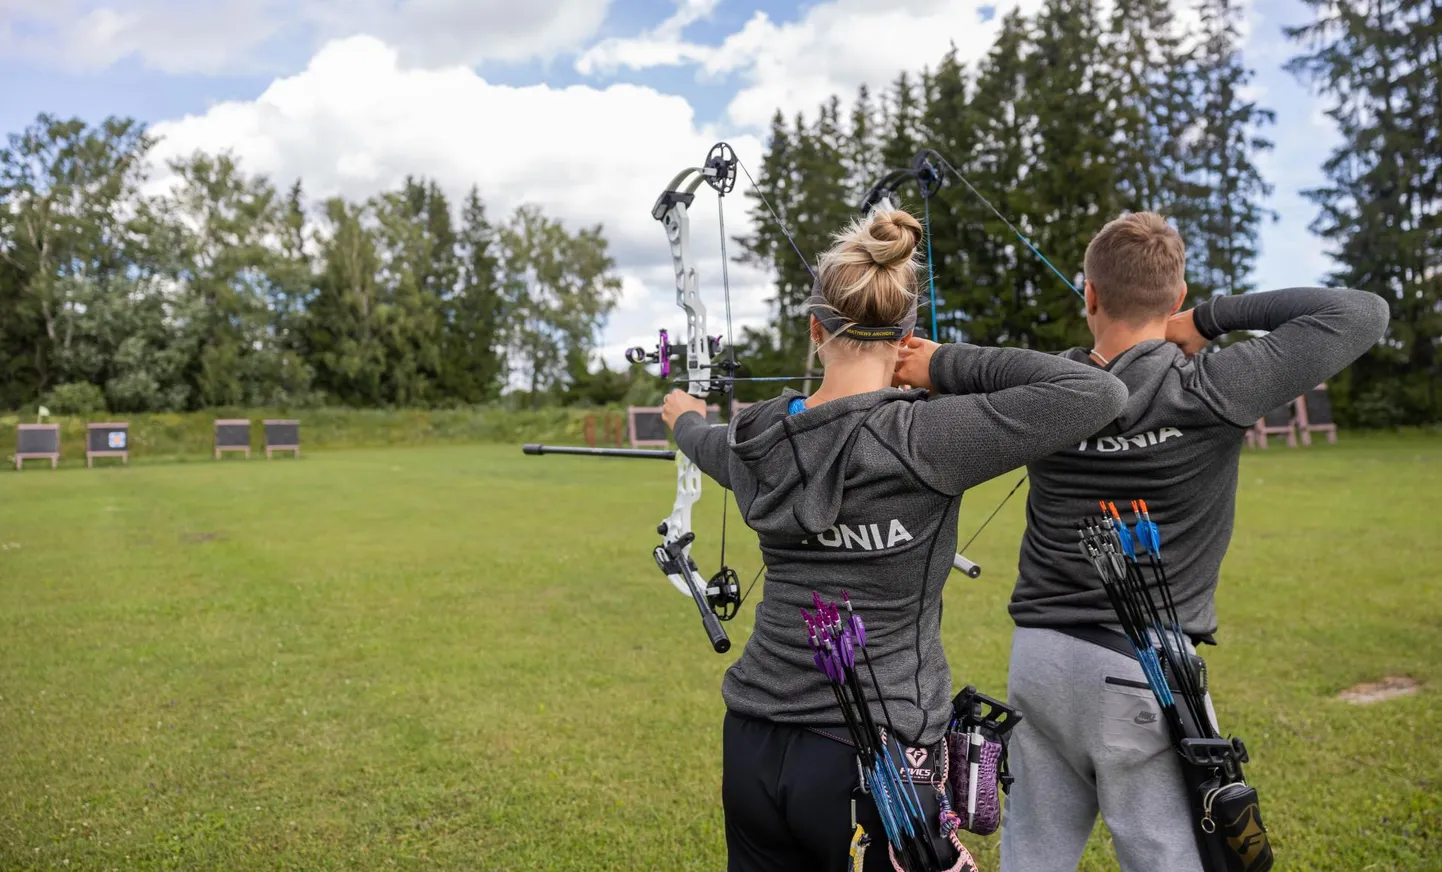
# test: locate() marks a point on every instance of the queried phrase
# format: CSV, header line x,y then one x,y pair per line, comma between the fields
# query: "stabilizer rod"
x,y
646,453
971,570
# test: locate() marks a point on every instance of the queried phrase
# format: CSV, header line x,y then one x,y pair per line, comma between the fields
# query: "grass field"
x,y
464,658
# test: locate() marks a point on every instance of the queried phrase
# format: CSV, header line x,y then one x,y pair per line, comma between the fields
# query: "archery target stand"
x,y
110,439
282,435
232,434
37,442
648,430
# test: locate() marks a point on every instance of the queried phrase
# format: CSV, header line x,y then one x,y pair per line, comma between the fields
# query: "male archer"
x,y
1093,740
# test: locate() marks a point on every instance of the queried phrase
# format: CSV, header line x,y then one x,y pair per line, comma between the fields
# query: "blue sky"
x,y
351,94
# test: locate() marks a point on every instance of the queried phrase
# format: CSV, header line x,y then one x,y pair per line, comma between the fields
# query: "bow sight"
x,y
665,354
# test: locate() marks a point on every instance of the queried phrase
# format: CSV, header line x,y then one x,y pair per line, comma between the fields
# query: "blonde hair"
x,y
1137,264
869,274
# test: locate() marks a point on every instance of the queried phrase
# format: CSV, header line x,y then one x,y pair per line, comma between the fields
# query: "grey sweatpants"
x,y
1091,739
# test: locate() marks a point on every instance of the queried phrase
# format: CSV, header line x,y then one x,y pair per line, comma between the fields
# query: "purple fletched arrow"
x,y
833,667
848,649
858,630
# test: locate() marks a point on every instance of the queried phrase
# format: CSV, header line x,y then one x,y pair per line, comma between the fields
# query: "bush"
x,y
76,398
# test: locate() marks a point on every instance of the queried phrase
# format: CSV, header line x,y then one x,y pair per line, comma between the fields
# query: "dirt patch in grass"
x,y
1369,692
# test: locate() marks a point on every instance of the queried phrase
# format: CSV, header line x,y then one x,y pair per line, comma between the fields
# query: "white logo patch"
x,y
1111,444
867,537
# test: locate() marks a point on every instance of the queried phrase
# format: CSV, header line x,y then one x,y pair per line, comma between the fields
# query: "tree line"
x,y
1076,116
229,291
1072,118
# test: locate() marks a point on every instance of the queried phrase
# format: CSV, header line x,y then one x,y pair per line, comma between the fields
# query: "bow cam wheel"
x,y
721,168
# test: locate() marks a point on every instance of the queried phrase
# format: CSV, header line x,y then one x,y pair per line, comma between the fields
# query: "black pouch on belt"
x,y
1232,820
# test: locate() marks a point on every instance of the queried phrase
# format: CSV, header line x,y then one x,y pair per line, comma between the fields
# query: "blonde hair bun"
x,y
869,274
890,238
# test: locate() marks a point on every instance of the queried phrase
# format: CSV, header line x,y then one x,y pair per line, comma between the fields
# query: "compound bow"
x,y
707,371
928,178
719,598
926,171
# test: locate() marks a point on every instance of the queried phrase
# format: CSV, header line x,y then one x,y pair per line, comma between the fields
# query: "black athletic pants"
x,y
787,795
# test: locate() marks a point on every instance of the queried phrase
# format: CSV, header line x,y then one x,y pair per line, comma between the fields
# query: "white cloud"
x,y
167,36
437,33
248,36
356,121
662,46
832,49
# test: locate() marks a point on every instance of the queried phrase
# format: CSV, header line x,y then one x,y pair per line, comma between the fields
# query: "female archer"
x,y
857,488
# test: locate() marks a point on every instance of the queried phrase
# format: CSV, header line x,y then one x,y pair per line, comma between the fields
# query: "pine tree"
x,y
471,361
1379,63
1224,241
1001,269
1151,82
952,234
902,119
863,146
1071,172
767,247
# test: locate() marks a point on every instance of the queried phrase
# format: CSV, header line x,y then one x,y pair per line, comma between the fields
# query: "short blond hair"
x,y
870,273
1137,264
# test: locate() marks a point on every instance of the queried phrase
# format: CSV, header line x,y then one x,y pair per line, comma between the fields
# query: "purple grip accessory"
x,y
988,792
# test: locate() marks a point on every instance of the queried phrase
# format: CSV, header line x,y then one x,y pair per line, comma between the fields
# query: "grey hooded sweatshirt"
x,y
861,494
1177,444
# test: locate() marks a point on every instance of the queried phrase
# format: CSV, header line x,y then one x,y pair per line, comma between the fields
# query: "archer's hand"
x,y
1182,331
913,366
678,403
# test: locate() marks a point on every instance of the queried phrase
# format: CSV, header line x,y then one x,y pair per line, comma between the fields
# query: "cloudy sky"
x,y
586,107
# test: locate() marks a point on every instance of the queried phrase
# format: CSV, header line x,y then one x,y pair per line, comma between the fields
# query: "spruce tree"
x,y
767,247
1379,64
1002,269
1224,240
1071,171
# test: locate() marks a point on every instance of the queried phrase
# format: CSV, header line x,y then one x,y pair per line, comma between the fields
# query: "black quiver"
x,y
1226,812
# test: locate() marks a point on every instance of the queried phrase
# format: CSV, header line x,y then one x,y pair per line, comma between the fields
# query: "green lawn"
x,y
465,658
